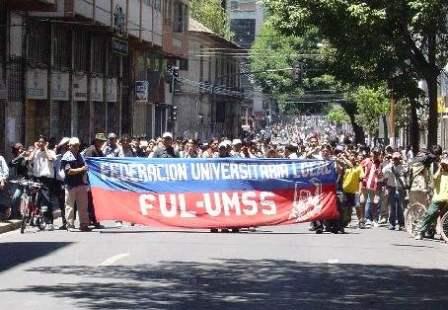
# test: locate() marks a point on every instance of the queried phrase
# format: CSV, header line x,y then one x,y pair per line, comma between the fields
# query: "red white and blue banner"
x,y
212,193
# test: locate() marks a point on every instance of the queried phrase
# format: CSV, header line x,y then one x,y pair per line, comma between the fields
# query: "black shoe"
x,y
214,230
235,230
63,227
319,230
98,226
225,230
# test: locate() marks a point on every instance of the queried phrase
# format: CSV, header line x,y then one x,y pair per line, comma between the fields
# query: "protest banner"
x,y
212,193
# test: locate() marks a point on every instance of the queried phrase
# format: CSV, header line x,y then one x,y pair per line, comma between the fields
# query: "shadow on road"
x,y
247,284
15,253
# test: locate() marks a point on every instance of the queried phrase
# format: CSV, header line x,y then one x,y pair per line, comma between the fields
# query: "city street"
x,y
283,267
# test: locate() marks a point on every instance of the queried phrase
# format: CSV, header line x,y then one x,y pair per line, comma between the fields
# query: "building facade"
x,y
74,67
208,95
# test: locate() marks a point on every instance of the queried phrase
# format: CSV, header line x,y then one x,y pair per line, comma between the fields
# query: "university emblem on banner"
x,y
307,202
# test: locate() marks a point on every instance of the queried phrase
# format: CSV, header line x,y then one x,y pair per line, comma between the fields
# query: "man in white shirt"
x,y
42,160
393,177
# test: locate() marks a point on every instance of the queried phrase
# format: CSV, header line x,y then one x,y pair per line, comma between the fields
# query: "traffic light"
x,y
174,113
298,73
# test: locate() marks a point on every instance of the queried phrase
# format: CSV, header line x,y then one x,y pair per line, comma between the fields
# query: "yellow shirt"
x,y
441,187
352,178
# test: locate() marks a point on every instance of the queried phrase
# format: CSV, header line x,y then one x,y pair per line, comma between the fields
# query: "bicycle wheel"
x,y
413,215
444,227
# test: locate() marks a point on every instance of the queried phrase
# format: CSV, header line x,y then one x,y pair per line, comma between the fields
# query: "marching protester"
x,y
165,149
111,148
76,191
42,159
94,150
59,176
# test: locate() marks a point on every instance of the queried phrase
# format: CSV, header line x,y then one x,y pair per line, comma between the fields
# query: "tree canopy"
x,y
212,15
396,41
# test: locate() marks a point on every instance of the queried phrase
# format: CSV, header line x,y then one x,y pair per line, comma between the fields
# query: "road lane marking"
x,y
112,260
333,261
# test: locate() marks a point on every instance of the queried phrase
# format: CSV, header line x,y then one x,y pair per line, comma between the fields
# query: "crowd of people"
x,y
376,182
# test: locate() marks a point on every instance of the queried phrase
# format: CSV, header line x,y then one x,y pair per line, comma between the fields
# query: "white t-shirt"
x,y
43,164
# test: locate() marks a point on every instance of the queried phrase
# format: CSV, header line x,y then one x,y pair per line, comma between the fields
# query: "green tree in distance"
x,y
212,15
337,115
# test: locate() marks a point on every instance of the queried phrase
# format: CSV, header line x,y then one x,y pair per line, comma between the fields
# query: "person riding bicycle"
x,y
439,199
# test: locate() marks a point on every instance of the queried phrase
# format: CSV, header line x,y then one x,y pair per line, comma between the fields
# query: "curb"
x,y
9,226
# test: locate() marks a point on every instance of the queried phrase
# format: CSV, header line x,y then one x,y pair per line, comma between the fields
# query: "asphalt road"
x,y
274,268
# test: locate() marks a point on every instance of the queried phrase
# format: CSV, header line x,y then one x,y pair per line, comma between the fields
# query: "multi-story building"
x,y
246,19
208,93
72,67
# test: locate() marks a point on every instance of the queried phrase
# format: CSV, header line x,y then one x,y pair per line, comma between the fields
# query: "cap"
x,y
227,142
167,135
339,148
100,136
73,141
63,141
396,155
112,136
236,142
444,161
222,144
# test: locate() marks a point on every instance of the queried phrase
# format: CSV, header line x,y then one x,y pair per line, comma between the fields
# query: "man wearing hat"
x,y
165,150
76,186
393,177
95,150
112,148
439,199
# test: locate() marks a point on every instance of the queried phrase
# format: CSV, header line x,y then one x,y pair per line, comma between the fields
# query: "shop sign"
x,y
79,87
141,91
96,89
60,86
111,90
120,46
36,84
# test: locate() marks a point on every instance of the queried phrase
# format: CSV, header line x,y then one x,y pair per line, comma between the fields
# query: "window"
x,y
61,48
148,2
183,64
244,30
180,17
234,6
81,50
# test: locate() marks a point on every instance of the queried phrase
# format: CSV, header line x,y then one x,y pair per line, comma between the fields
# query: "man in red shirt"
x,y
371,186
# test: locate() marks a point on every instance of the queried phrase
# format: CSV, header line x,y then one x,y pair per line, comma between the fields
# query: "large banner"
x,y
208,193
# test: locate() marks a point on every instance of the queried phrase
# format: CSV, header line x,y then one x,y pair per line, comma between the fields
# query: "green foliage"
x,y
273,50
337,115
212,15
371,103
396,42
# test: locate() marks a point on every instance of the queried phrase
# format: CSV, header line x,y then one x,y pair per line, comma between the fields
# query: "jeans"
x,y
15,201
396,204
431,215
45,198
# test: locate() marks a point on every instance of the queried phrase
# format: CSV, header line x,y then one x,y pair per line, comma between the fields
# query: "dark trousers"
x,y
59,194
45,197
396,206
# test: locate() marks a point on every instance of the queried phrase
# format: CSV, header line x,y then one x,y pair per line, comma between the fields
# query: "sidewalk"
x,y
9,226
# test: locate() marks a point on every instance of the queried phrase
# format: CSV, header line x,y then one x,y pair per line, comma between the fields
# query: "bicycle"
x,y
30,209
414,214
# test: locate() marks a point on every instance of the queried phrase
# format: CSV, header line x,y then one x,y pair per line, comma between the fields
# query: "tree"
x,y
381,39
372,103
337,115
212,15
